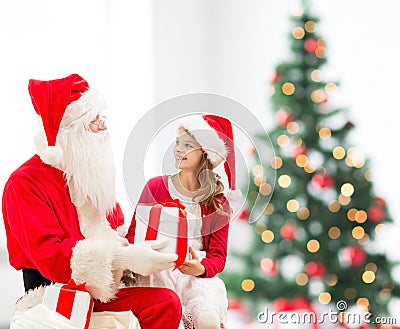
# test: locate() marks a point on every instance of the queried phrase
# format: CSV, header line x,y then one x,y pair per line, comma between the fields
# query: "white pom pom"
x,y
51,155
234,195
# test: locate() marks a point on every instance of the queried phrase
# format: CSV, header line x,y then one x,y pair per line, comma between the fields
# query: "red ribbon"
x,y
182,233
66,300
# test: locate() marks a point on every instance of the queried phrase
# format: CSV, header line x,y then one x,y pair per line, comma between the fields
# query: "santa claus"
x,y
61,216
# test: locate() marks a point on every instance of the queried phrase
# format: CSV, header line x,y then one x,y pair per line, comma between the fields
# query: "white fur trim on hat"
x,y
84,109
234,195
51,155
207,137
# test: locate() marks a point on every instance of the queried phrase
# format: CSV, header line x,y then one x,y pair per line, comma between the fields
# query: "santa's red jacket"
x,y
215,225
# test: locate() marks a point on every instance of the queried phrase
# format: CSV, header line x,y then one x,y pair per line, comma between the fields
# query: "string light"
x,y
316,75
368,175
303,213
276,162
310,167
258,180
334,233
330,88
371,267
318,96
248,285
288,88
293,128
270,90
384,294
324,133
347,189
310,26
298,33
357,232
363,303
351,214
332,280
324,297
313,245
360,216
284,181
344,200
268,208
339,152
334,206
301,160
364,240
265,189
292,205
267,236
379,228
283,140
302,279
258,170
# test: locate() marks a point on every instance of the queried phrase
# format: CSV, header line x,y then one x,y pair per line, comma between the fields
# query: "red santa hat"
x,y
52,99
214,134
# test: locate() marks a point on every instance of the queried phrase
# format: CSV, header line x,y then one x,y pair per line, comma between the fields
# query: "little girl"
x,y
202,143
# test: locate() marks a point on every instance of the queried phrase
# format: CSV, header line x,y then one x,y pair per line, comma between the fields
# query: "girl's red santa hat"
x,y
215,136
66,103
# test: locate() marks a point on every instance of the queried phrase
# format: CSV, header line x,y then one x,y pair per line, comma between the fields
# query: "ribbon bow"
x,y
71,285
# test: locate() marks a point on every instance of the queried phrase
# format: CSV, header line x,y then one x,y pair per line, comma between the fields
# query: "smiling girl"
x,y
202,143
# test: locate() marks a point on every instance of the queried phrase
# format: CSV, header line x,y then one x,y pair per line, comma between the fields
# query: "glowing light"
x,y
310,168
265,189
284,181
268,208
379,228
303,213
350,293
258,170
313,245
368,277
302,160
324,133
297,141
351,214
330,88
334,233
334,206
292,205
347,189
339,152
371,267
288,88
368,175
283,140
360,216
260,227
248,285
384,294
324,297
293,128
267,236
259,180
298,33
332,280
266,264
364,240
357,232
276,162
318,96
320,52
316,75
344,200
270,90
354,158
310,26
363,303
297,12
302,279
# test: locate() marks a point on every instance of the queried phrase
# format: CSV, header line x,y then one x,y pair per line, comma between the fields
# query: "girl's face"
x,y
187,151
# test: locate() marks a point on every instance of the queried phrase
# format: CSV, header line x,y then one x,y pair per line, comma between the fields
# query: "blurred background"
x,y
139,54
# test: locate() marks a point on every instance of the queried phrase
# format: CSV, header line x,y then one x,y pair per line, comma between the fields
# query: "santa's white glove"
x,y
143,257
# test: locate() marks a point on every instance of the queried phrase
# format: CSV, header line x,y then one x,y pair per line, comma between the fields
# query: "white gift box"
x,y
167,221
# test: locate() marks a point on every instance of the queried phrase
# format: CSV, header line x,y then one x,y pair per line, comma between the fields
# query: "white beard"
x,y
89,169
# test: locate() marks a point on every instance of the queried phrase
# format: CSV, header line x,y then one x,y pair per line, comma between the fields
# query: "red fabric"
x,y
154,307
40,220
215,226
51,98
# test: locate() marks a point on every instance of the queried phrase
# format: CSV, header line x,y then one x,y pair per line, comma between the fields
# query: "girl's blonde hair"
x,y
210,185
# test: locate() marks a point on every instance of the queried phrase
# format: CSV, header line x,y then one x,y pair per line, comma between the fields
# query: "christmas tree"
x,y
316,235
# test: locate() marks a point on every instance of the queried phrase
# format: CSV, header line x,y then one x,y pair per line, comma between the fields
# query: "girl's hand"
x,y
193,266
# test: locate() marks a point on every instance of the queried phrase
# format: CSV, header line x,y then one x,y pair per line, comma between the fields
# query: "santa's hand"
x,y
143,257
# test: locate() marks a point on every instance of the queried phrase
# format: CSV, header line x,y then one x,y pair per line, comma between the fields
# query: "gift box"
x,y
166,220
70,300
